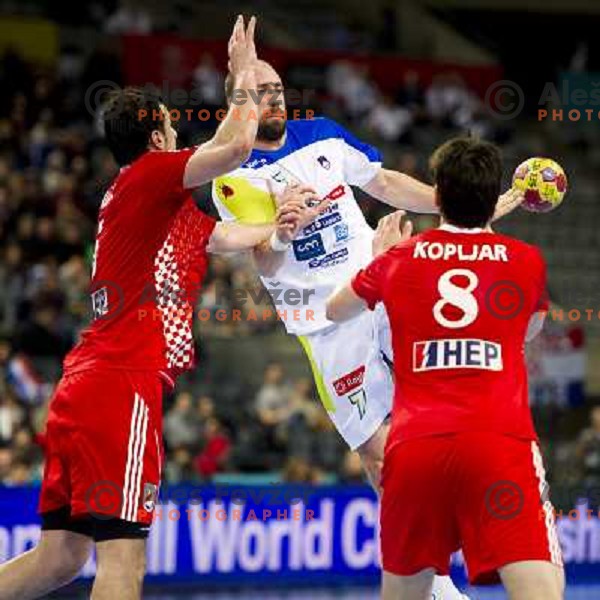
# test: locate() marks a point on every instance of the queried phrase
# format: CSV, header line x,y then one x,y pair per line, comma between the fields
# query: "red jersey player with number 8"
x,y
462,466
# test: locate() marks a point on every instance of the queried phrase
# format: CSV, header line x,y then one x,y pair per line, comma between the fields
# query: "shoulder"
x,y
304,132
318,128
519,247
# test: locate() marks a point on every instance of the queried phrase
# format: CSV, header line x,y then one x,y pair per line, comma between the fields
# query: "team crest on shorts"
x,y
150,497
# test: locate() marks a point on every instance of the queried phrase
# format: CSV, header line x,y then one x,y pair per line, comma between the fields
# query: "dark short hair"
x,y
130,115
467,173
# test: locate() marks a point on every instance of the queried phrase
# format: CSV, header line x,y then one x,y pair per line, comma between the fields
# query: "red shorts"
x,y
482,492
104,445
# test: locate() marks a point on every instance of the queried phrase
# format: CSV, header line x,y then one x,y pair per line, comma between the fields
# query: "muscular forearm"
x,y
402,191
234,237
241,120
231,144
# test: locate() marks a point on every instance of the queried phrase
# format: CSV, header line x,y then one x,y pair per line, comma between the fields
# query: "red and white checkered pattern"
x,y
175,308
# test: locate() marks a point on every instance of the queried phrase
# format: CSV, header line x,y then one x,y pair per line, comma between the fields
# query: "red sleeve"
x,y
162,175
542,303
368,282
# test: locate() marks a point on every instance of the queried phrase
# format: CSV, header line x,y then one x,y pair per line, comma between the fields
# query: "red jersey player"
x,y
104,431
462,466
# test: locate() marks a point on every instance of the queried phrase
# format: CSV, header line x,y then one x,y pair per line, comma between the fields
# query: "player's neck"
x,y
445,226
270,145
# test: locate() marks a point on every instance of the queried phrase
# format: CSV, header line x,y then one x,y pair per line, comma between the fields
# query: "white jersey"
x,y
322,154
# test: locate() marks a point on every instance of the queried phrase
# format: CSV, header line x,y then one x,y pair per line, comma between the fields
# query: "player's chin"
x,y
272,128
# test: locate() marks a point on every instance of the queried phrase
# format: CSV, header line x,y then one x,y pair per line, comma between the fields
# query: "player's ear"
x,y
157,140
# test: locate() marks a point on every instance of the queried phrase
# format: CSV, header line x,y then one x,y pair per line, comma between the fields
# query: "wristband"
x,y
276,244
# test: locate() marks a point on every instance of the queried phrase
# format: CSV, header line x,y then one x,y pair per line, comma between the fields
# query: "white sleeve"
x,y
361,161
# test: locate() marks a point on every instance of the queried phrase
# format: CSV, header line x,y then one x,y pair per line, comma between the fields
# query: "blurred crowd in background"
x,y
54,169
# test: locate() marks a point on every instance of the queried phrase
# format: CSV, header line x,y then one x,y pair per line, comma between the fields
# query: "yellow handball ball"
x,y
544,182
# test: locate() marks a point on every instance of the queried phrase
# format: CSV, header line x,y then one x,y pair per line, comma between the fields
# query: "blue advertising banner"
x,y
282,534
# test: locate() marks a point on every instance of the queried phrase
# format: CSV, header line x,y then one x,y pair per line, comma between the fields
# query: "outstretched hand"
x,y
298,206
507,202
391,231
241,48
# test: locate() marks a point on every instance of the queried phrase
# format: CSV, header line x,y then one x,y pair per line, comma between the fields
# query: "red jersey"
x,y
459,304
149,262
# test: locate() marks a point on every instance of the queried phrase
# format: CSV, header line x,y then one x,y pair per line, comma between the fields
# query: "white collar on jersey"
x,y
455,229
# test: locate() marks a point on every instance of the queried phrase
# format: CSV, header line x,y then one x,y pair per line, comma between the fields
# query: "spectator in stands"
x,y
12,415
130,17
6,459
351,471
178,466
298,470
588,449
215,453
304,408
205,410
390,121
273,398
180,428
208,80
410,94
448,100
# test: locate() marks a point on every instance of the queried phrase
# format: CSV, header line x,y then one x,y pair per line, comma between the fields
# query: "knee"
x,y
65,567
123,559
373,463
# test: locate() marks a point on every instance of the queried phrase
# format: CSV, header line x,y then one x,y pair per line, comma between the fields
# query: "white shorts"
x,y
352,367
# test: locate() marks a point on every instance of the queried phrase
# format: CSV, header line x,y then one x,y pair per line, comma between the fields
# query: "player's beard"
x,y
271,130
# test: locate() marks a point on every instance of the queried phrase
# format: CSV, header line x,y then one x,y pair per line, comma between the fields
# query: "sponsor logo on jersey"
x,y
342,232
330,260
324,162
308,247
349,382
457,354
327,221
257,162
336,193
150,497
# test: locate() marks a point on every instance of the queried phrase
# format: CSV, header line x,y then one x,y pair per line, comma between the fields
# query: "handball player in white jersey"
x,y
316,160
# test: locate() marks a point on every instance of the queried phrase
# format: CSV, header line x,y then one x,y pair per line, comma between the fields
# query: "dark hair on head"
x,y
467,173
130,116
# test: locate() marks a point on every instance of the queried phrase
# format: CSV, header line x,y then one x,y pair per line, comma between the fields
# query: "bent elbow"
x,y
240,150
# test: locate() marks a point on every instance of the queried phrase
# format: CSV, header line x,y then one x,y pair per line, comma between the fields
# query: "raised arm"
x,y
233,140
402,191
407,193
